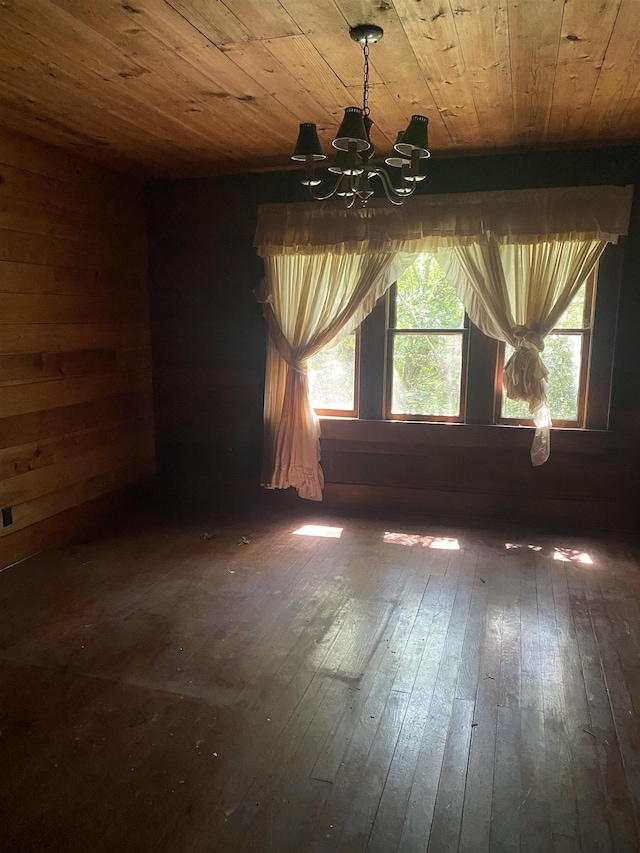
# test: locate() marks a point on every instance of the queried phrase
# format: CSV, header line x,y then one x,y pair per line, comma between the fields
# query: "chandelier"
x,y
352,163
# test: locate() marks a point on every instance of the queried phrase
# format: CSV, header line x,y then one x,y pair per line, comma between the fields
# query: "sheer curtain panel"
x,y
310,303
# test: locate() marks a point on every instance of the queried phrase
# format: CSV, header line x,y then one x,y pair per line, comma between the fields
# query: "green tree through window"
x,y
427,363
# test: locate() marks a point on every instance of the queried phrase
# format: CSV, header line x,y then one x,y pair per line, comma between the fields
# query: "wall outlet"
x,y
7,516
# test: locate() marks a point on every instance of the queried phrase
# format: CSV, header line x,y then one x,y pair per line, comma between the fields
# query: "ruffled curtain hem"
x,y
304,480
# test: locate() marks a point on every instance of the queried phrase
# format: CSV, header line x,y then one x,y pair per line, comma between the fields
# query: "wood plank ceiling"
x,y
179,87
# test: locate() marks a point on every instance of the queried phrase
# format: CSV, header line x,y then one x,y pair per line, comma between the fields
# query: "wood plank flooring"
x,y
355,684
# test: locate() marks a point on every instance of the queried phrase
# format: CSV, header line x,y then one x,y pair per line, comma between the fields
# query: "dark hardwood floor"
x,y
337,684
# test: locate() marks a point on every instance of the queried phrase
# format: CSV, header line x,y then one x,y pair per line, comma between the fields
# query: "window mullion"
x,y
373,356
481,377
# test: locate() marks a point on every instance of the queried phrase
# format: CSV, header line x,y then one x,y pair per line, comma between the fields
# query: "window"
x,y
333,378
566,355
418,357
427,342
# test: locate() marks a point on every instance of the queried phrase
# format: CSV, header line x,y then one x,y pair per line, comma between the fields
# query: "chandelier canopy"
x,y
352,163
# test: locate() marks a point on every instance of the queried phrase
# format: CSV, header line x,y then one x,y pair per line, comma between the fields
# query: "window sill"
x,y
413,438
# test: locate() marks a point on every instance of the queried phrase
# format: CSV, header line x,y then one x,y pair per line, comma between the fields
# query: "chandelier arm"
x,y
384,179
407,191
325,197
389,190
350,200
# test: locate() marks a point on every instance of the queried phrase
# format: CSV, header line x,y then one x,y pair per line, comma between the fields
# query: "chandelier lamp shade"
x,y
352,167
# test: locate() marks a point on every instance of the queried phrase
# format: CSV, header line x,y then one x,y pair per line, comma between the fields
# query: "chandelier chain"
x,y
365,90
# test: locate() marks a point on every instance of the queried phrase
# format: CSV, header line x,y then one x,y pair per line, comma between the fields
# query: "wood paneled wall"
x,y
209,339
208,335
76,414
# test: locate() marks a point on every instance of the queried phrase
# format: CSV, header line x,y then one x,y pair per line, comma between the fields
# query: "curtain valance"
x,y
431,222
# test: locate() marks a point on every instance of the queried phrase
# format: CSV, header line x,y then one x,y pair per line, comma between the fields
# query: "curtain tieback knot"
x,y
528,337
288,354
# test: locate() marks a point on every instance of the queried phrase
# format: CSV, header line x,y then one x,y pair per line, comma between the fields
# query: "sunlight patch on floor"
x,y
319,530
564,555
409,540
570,555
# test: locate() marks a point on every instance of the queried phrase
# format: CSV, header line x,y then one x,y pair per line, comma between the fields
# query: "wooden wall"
x,y
208,336
209,339
76,414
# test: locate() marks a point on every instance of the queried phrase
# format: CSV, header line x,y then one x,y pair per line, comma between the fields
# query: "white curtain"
x,y
517,292
515,257
310,303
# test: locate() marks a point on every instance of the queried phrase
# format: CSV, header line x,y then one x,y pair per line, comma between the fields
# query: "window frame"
x,y
483,360
392,331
